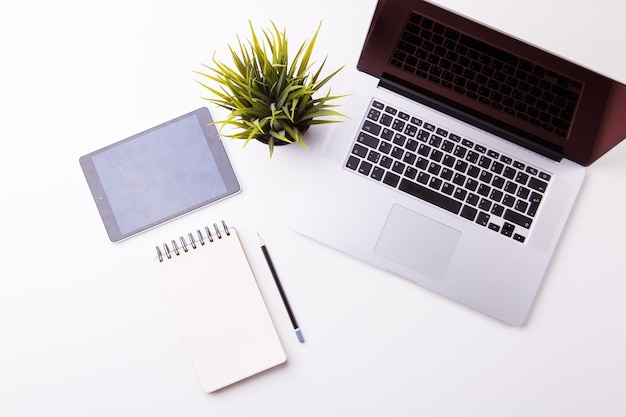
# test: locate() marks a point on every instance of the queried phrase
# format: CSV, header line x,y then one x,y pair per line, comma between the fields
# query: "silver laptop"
x,y
461,159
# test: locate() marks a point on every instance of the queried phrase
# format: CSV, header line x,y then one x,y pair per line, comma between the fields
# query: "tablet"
x,y
159,174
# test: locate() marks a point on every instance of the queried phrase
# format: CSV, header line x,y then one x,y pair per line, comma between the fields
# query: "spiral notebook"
x,y
218,307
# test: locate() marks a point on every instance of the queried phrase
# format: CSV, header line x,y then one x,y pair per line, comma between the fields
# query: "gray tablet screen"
x,y
159,174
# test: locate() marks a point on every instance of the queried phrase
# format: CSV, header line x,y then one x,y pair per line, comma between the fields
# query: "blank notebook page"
x,y
220,311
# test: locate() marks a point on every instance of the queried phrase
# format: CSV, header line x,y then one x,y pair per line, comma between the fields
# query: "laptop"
x,y
461,158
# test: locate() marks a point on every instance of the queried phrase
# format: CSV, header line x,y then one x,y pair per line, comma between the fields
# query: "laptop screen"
x,y
503,82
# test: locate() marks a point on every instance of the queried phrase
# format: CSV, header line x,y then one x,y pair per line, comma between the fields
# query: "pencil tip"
x,y
260,240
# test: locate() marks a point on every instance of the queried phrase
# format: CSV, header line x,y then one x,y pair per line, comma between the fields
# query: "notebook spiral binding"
x,y
176,249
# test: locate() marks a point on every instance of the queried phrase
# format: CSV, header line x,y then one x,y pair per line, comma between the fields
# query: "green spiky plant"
x,y
270,98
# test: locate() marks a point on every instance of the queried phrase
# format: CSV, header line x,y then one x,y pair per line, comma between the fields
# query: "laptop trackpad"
x,y
417,242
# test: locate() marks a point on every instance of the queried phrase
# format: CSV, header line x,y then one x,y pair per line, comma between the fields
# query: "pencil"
x,y
268,259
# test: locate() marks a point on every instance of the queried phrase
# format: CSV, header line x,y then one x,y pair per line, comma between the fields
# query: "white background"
x,y
84,328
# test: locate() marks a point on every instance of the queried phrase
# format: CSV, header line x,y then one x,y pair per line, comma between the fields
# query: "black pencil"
x,y
268,259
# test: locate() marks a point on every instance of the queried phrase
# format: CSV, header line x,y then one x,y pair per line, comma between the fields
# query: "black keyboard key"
x,y
469,213
508,200
373,114
387,134
426,194
544,176
447,188
423,135
398,167
468,143
486,176
532,171
537,184
386,162
460,193
509,173
385,147
447,174
391,179
378,105
507,229
517,218
482,219
510,187
449,161
523,192
460,151
459,179
522,178
436,155
435,183
377,173
411,145
398,125
353,162
434,168
423,150
471,184
498,182
519,238
460,166
535,197
497,167
410,172
365,168
447,146
359,150
386,119
473,171
371,127
472,199
397,152
496,195
422,163
484,204
497,210
373,156
423,178
484,190
521,206
435,141
484,162
518,165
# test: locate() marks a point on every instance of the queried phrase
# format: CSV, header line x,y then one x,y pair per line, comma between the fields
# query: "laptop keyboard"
x,y
457,174
514,86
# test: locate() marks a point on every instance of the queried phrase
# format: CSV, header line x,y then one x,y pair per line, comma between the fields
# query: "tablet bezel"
x,y
215,147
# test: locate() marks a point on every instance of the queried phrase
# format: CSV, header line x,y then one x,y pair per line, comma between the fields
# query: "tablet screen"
x,y
159,174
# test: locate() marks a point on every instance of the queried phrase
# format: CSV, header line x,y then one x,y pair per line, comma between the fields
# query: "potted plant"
x,y
270,98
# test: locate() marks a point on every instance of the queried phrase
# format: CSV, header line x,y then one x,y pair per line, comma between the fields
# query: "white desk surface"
x,y
84,328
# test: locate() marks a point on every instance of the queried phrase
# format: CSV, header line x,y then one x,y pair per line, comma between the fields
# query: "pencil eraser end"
x,y
300,337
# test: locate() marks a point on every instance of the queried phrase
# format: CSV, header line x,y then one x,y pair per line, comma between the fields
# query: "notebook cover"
x,y
219,310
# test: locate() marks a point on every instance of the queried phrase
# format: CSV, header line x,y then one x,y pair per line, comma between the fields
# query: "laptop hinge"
x,y
413,93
